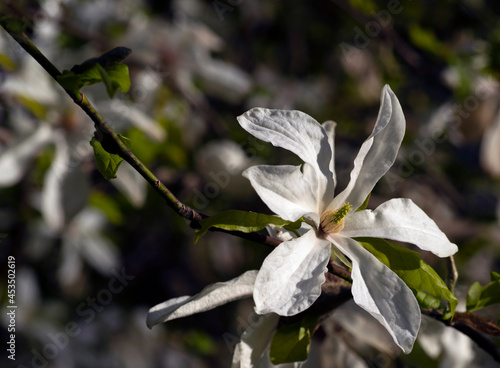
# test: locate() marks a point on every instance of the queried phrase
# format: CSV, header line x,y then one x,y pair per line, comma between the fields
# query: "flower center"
x,y
332,221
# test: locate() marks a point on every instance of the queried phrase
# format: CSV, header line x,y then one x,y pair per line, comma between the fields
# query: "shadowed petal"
x,y
377,154
15,161
400,219
290,278
379,291
255,341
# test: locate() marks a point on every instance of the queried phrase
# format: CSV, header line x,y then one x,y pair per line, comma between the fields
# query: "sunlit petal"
x,y
290,278
400,219
298,133
377,154
382,293
289,129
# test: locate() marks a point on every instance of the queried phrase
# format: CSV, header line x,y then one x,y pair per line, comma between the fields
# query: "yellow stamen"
x,y
332,221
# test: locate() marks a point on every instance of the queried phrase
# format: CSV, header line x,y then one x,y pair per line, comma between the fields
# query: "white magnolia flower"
x,y
291,276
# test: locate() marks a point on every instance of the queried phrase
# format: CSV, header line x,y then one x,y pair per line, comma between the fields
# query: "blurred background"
x,y
92,256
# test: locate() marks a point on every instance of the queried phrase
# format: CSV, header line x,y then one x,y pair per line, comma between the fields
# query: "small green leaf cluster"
x,y
106,68
484,296
107,163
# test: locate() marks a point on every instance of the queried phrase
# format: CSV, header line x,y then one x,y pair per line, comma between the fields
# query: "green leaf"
x,y
235,220
291,341
107,163
484,296
13,24
494,276
109,58
113,56
199,342
74,81
365,203
429,289
35,107
106,68
108,206
125,140
366,6
115,77
473,295
7,64
294,226
427,40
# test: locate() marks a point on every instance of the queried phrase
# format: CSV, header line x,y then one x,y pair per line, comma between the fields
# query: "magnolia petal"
x,y
289,129
15,160
379,291
85,234
210,297
437,340
59,204
297,132
400,219
366,329
329,127
321,196
131,184
120,110
284,190
377,154
290,278
255,342
490,149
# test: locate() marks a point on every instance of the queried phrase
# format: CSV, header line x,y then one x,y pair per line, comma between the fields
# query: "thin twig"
x,y
451,274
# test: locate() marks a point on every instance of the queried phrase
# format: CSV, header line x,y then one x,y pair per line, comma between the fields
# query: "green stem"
x,y
452,273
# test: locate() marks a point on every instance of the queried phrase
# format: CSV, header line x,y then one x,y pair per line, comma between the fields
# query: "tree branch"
x,y
113,144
